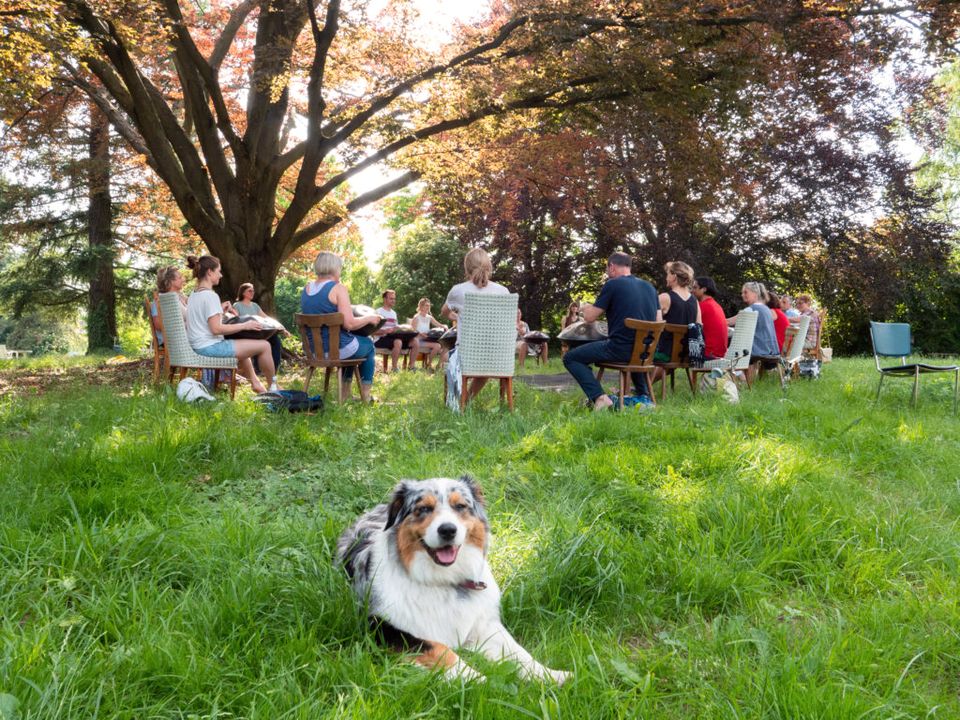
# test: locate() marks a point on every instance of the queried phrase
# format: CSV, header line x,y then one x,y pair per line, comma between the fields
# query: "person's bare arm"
x,y
590,312
342,299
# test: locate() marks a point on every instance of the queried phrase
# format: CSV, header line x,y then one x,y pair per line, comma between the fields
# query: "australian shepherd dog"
x,y
420,566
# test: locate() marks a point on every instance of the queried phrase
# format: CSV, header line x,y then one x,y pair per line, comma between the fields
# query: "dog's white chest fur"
x,y
452,615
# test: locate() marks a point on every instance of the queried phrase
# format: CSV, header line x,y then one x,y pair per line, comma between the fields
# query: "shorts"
x,y
221,349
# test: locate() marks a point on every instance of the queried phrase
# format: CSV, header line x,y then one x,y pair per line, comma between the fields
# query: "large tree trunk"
x,y
102,301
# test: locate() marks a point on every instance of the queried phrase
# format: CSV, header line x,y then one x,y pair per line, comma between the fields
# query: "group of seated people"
x,y
687,300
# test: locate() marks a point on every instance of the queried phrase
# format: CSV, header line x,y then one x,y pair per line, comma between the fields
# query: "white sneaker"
x,y
273,386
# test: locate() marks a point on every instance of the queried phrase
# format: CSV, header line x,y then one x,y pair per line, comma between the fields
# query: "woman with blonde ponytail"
x,y
477,268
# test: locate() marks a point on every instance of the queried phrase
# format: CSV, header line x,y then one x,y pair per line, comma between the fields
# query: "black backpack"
x,y
291,400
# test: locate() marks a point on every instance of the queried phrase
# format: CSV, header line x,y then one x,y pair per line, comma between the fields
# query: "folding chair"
x,y
738,349
893,340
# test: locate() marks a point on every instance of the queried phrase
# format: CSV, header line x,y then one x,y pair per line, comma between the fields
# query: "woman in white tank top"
x,y
422,321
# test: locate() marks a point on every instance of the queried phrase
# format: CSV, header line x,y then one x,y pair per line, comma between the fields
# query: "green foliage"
x,y
703,560
44,332
361,284
287,299
422,262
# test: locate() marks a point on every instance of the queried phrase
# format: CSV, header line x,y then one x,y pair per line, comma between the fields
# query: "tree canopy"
x,y
238,107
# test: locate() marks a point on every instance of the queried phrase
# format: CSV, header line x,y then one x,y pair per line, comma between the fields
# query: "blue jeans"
x,y
578,361
367,352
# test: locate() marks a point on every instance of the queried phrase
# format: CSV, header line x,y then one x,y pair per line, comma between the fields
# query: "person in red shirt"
x,y
780,320
712,315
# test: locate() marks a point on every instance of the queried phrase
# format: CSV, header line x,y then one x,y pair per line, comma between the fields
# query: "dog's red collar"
x,y
473,585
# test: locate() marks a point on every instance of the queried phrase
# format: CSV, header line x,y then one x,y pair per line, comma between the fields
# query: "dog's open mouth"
x,y
446,555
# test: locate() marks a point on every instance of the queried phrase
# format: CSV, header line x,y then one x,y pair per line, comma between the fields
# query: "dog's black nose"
x,y
447,531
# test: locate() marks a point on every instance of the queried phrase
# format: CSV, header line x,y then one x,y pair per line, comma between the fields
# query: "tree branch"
x,y
310,232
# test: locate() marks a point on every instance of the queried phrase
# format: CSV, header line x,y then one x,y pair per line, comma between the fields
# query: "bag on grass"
x,y
720,382
190,391
290,400
809,369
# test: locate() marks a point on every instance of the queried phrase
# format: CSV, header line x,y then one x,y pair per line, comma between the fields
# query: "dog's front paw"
x,y
559,676
462,671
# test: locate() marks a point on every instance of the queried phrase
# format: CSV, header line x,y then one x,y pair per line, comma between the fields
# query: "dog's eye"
x,y
460,507
423,511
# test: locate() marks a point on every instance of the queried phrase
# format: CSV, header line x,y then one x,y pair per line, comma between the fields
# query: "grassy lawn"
x,y
789,557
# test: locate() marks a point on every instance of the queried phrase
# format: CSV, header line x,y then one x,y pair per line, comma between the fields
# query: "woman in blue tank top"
x,y
327,295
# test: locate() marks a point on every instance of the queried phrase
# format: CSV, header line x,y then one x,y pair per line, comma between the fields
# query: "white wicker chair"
x,y
738,349
796,334
486,342
179,353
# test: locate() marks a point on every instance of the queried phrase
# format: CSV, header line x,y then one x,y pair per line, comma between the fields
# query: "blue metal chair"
x,y
893,340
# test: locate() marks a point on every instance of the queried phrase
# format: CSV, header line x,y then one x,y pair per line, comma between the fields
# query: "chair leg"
x,y
956,386
916,386
326,380
877,398
623,389
653,397
464,392
233,383
306,380
510,393
693,385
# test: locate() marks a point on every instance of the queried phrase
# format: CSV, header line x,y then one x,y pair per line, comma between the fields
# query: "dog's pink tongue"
x,y
447,554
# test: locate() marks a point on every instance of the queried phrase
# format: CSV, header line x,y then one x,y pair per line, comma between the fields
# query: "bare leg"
x,y
365,392
476,385
395,354
414,353
260,349
544,353
522,352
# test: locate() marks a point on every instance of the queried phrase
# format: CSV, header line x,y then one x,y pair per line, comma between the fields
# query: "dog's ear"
x,y
397,504
475,490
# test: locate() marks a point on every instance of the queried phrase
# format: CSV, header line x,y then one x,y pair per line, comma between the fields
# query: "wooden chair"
x,y
311,332
678,359
647,334
159,349
486,343
737,358
179,355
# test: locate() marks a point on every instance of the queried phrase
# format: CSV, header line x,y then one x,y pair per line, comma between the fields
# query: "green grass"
x,y
790,557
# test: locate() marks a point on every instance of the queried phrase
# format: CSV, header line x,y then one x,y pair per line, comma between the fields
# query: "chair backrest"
x,y
678,349
890,340
174,330
487,335
645,340
310,328
148,305
738,350
796,334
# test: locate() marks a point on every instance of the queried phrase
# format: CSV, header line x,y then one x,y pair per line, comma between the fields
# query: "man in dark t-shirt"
x,y
622,296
